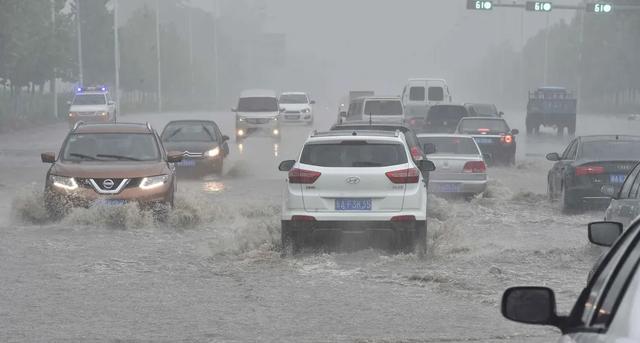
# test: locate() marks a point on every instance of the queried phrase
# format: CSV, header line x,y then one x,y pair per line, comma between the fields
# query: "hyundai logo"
x,y
108,184
352,180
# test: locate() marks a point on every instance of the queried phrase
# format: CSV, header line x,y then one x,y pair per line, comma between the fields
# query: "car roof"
x,y
597,138
113,128
355,134
187,121
443,135
293,93
258,93
446,105
92,92
478,104
364,125
484,118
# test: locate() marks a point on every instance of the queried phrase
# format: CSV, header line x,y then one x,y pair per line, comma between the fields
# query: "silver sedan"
x,y
460,166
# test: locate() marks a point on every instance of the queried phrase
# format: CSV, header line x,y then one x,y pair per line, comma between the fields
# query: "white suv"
x,y
296,107
355,182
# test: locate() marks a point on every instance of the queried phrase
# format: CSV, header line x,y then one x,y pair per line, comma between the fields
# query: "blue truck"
x,y
551,107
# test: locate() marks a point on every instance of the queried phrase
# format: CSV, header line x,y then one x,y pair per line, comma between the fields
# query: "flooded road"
x,y
213,272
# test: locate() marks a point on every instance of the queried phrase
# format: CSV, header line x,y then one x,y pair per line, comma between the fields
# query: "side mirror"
x,y
553,157
426,166
530,305
515,131
429,148
282,109
225,138
234,109
174,157
604,233
286,165
500,114
343,114
111,103
610,191
48,157
312,102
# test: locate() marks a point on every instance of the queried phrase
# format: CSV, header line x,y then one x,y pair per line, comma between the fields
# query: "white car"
x,y
257,113
92,104
296,107
378,109
460,165
608,308
362,182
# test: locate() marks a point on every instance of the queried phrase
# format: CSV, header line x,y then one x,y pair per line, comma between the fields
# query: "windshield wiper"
x,y
119,157
208,132
88,157
173,133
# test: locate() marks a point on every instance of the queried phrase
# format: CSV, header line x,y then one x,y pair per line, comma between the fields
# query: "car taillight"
x,y
411,175
403,218
506,139
303,176
589,170
303,218
416,153
475,167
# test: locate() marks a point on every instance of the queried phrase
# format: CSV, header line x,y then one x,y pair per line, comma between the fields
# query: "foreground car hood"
x,y
197,147
88,108
258,114
101,170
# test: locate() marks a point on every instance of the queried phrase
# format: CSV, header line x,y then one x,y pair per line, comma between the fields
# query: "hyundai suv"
x,y
110,164
355,182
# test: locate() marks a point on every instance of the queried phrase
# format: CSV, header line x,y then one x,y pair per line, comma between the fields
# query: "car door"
x,y
598,315
626,206
556,175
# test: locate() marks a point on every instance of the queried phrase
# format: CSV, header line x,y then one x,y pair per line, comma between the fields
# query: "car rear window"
x,y
111,147
353,154
383,107
189,132
451,145
90,99
611,150
416,93
476,125
484,110
446,113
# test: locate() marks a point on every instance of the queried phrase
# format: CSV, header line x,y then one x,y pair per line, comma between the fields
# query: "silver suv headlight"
x,y
63,182
305,110
152,182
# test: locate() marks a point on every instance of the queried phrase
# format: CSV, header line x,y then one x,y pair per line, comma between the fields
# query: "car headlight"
x,y
213,152
276,132
241,119
305,110
64,182
152,182
275,118
104,114
72,114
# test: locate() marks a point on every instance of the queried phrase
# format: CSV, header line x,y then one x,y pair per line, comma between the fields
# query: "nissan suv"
x,y
355,182
110,164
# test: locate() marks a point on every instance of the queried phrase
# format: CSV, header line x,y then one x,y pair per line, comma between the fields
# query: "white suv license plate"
x,y
353,204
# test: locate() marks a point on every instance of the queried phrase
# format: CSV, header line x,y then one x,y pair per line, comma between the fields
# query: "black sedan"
x,y
589,163
203,146
494,137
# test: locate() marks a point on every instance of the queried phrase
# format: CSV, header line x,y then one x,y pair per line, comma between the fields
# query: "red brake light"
x,y
483,130
589,170
475,167
507,139
403,218
303,176
416,153
411,175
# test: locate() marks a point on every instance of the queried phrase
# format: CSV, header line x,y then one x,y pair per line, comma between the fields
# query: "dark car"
x,y
110,164
589,163
201,143
410,135
444,118
606,309
483,110
494,137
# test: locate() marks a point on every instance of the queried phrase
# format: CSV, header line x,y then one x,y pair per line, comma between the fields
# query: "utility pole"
x,y
190,29
159,64
53,89
580,51
546,51
79,35
216,17
116,43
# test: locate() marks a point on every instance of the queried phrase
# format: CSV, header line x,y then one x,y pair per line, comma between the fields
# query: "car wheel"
x,y
55,206
568,202
420,246
560,131
219,167
290,243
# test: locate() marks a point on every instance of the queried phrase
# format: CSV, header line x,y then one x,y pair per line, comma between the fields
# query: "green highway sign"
x,y
539,6
481,5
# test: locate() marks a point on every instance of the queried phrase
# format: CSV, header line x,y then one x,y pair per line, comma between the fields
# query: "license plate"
x,y
445,187
484,140
292,117
109,202
353,204
616,178
187,163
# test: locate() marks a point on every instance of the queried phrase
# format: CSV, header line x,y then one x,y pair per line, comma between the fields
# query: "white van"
x,y
419,94
376,109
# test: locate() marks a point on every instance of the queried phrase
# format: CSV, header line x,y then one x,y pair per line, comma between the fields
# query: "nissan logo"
x,y
108,184
352,180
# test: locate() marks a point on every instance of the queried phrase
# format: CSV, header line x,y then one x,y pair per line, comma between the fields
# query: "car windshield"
x,y
90,99
189,132
258,104
353,154
482,125
446,113
484,110
451,145
383,107
611,150
110,147
293,99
